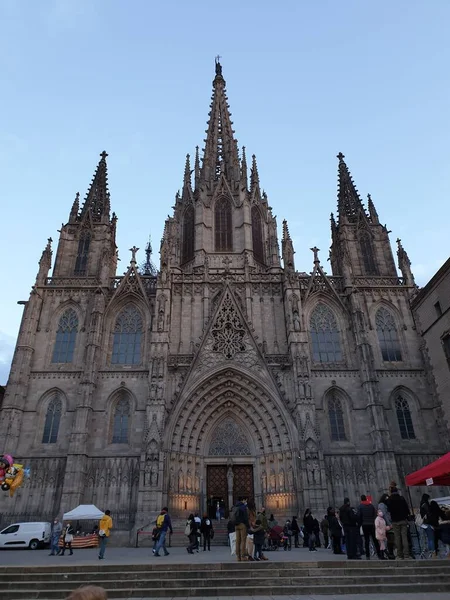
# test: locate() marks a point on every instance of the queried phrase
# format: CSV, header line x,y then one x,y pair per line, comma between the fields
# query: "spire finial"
x,y
340,156
104,154
133,251
97,199
349,202
316,251
196,168
286,234
218,66
372,210
404,264
187,171
244,168
254,175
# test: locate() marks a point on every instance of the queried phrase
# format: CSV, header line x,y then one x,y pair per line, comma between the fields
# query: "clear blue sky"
x,y
305,80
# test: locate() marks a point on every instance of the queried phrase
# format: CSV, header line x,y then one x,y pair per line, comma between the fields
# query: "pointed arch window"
x,y
222,225
388,336
258,247
365,242
127,337
404,418
188,234
66,336
82,254
52,421
325,336
120,422
336,419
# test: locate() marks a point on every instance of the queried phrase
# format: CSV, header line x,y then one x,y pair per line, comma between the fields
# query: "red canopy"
x,y
437,471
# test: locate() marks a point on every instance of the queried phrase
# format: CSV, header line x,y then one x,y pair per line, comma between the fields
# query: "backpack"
x,y
235,516
160,521
187,529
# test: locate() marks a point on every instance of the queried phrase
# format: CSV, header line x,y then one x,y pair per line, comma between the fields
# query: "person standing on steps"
x,y
191,532
335,531
240,514
399,510
56,534
390,543
163,523
68,538
309,525
366,516
206,529
295,531
349,519
104,531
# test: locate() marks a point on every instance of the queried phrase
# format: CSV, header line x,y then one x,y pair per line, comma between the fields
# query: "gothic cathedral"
x,y
226,372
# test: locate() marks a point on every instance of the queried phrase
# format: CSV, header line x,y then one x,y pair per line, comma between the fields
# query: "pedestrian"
x,y
287,533
240,514
308,524
261,515
349,519
390,543
366,517
399,511
259,534
316,530
164,524
445,531
436,513
56,534
67,538
88,592
381,529
272,522
190,530
104,531
206,529
335,530
325,528
295,531
198,522
425,513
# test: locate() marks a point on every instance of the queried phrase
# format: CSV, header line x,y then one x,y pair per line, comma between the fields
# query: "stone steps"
x,y
227,579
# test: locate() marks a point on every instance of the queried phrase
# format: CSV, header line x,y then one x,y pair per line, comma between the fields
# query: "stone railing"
x,y
72,282
377,281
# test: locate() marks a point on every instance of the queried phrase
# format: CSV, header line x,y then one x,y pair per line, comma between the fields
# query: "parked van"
x,y
25,535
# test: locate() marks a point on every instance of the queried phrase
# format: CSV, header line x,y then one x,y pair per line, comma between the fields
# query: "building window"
x,y
222,224
120,422
188,234
438,309
326,339
66,336
388,336
336,417
127,337
52,420
404,418
446,345
258,248
82,254
365,242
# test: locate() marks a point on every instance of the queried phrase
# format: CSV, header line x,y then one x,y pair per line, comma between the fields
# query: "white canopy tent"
x,y
85,512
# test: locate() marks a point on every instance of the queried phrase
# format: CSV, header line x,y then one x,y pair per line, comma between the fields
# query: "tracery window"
x,y
388,336
223,227
52,420
325,336
258,247
229,440
127,337
66,336
365,242
82,254
188,234
120,422
404,418
336,419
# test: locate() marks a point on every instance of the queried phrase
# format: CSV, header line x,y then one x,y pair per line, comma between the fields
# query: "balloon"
x,y
11,474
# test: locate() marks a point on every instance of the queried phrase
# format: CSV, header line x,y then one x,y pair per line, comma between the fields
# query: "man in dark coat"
x,y
366,516
349,519
399,510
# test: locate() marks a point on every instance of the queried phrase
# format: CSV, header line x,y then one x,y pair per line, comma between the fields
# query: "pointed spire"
x,y
197,168
333,224
45,263
147,267
287,248
349,202
286,234
404,264
220,155
75,208
244,175
97,199
372,210
187,172
254,176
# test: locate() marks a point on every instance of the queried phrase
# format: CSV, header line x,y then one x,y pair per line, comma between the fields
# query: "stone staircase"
x,y
228,579
178,539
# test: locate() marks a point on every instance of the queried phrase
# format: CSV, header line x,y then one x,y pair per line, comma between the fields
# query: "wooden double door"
x,y
217,485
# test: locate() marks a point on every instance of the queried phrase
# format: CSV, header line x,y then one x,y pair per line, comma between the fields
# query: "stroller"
x,y
276,538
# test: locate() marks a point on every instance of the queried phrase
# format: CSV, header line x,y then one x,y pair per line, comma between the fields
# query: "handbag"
x,y
187,529
102,533
68,538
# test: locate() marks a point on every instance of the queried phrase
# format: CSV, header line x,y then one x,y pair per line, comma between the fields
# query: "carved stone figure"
x,y
180,480
264,482
281,480
189,481
230,478
290,476
296,321
273,481
154,475
171,482
196,483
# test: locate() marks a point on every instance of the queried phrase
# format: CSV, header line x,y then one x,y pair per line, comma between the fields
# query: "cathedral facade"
x,y
226,372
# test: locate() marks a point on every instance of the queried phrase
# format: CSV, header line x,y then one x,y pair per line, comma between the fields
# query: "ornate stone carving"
x,y
229,440
228,331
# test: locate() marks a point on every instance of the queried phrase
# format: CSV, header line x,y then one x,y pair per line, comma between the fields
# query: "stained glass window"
x,y
404,418
258,247
223,227
82,254
365,242
66,336
336,418
188,234
52,420
388,336
120,422
325,336
127,337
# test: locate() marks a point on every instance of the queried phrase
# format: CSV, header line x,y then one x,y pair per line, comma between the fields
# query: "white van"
x,y
25,535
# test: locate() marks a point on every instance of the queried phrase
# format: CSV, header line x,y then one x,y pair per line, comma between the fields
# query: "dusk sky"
x,y
305,80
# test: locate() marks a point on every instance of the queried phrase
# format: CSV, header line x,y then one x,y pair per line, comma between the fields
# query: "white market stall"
x,y
84,512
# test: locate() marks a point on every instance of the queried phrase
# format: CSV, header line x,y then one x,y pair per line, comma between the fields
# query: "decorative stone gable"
x,y
228,331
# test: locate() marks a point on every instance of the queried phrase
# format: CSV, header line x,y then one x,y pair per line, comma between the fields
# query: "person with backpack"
x,y
241,525
349,519
366,517
163,524
191,530
309,525
206,529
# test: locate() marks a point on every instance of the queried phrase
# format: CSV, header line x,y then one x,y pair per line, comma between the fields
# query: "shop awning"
x,y
436,473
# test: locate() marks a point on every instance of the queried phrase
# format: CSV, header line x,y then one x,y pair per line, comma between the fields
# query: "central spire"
x,y
221,153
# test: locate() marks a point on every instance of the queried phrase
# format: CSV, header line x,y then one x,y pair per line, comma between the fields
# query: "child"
x,y
381,530
258,539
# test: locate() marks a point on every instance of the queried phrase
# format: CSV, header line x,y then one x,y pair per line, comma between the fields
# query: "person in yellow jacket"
x,y
104,530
